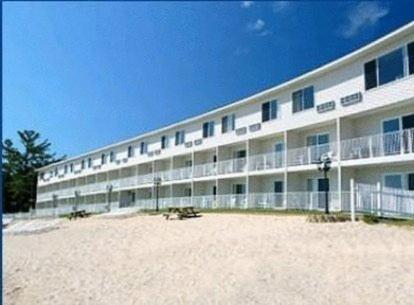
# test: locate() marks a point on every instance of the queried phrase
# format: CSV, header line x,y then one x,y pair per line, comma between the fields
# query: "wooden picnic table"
x,y
76,214
181,212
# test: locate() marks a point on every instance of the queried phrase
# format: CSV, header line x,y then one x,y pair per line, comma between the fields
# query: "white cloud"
x,y
279,6
246,4
259,28
362,15
256,26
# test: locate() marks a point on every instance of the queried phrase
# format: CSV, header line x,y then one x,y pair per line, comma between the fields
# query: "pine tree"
x,y
19,170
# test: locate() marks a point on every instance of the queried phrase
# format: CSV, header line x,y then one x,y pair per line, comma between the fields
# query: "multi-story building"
x,y
261,150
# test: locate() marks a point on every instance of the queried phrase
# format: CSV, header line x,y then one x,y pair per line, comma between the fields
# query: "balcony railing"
x,y
232,201
205,170
237,165
182,173
266,200
266,161
204,202
380,145
147,178
163,175
309,155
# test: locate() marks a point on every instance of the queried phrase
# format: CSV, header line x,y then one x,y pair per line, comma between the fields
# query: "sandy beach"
x,y
215,259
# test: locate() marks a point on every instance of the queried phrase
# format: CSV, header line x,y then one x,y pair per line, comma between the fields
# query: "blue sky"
x,y
89,74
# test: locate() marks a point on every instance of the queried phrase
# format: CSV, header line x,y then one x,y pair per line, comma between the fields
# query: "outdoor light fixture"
x,y
157,183
324,165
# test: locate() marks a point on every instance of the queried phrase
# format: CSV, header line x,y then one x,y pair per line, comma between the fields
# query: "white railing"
x,y
204,170
266,200
205,202
182,173
266,161
127,181
387,202
312,201
309,155
380,145
232,201
146,204
236,165
180,201
148,178
163,175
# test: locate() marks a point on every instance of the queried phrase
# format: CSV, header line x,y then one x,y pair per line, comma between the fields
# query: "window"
x,y
393,181
89,162
303,99
318,145
164,142
269,111
103,159
66,169
370,69
56,171
390,67
111,157
411,182
228,123
208,129
130,151
71,167
179,137
239,188
83,164
410,53
143,148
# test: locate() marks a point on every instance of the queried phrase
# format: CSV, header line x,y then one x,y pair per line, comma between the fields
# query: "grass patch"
x,y
372,219
331,218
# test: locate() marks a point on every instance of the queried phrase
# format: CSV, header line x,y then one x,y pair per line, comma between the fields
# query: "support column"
x,y
285,173
247,174
352,199
192,180
338,148
217,181
379,199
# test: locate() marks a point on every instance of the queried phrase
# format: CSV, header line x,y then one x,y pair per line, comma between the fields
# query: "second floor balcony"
x,y
379,145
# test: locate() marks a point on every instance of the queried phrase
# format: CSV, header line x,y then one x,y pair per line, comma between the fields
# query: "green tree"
x,y
19,170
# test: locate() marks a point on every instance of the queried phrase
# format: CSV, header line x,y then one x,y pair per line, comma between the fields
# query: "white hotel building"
x,y
261,151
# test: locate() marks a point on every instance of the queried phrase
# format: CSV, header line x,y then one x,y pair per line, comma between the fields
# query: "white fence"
x,y
383,201
362,198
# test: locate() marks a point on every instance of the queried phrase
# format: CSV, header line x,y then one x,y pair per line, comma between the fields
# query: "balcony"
x,y
266,200
205,170
271,160
182,173
163,175
147,178
309,155
231,166
379,145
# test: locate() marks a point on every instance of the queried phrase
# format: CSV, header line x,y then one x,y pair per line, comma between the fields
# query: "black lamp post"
x,y
324,165
157,183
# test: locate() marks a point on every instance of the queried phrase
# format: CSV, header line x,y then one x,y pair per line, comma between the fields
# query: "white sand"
x,y
32,226
215,259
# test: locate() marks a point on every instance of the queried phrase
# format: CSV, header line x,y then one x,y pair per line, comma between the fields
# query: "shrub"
x,y
370,219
